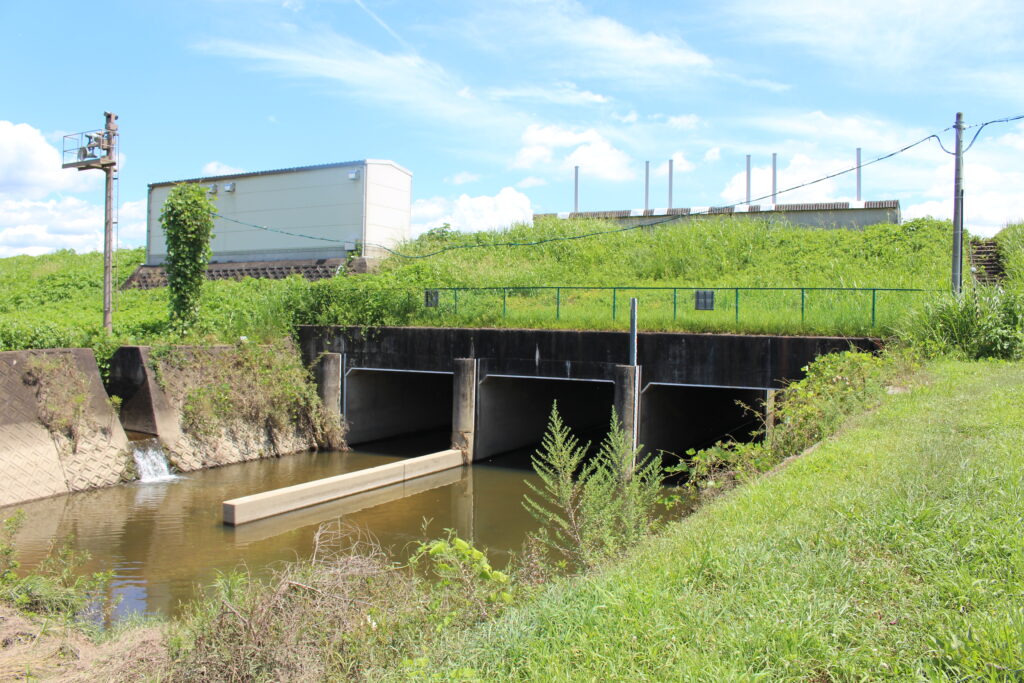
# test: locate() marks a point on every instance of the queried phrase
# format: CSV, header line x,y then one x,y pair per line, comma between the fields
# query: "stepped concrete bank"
x,y
493,388
58,431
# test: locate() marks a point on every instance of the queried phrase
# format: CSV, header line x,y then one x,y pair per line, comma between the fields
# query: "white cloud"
x,y
30,167
402,81
41,226
591,151
713,154
216,168
560,93
680,164
565,37
683,122
471,214
462,178
631,117
883,34
531,181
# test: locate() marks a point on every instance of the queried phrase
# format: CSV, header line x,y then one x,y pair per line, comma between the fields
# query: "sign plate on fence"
x,y
430,298
704,300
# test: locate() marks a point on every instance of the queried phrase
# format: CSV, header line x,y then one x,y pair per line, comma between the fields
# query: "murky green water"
x,y
165,540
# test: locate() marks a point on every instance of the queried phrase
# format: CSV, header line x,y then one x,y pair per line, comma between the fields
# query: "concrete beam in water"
x,y
269,503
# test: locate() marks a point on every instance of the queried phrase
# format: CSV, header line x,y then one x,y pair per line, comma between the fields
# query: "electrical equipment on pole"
x,y
97,149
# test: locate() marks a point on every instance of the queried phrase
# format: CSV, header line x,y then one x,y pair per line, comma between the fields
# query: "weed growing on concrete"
x,y
61,394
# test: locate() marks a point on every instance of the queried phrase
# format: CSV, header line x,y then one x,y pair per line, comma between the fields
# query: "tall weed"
x,y
983,322
592,508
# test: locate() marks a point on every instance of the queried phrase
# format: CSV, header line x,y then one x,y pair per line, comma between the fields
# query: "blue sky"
x,y
491,104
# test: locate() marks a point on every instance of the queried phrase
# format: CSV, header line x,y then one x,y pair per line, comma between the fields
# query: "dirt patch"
x,y
33,649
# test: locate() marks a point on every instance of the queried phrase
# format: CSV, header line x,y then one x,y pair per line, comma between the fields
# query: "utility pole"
x,y
958,204
576,190
81,152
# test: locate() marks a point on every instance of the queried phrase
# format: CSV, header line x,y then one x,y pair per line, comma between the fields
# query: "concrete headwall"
x,y
158,408
58,431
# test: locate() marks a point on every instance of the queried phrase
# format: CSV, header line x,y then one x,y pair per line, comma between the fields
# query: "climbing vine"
x,y
187,220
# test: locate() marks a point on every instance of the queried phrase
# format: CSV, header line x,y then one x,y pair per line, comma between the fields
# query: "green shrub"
x,y
187,220
1011,250
983,322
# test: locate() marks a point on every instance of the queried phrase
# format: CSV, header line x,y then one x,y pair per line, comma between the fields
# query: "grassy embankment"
x,y
55,300
893,551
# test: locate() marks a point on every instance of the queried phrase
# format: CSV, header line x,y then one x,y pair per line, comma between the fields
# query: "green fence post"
x,y
737,304
455,292
614,294
675,293
874,297
504,302
803,301
558,303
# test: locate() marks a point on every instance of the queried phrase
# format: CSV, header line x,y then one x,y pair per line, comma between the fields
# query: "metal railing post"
x,y
455,292
614,296
737,304
504,302
675,296
558,303
874,298
803,303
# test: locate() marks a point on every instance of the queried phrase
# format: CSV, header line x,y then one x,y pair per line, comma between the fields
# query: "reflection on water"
x,y
163,540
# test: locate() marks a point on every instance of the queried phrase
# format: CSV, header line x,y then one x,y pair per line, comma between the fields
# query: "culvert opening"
x,y
513,414
398,410
676,418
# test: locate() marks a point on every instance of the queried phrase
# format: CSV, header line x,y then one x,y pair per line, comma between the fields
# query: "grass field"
x,y
56,300
893,551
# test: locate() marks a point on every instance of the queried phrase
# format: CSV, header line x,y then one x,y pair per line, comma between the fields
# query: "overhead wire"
x,y
598,233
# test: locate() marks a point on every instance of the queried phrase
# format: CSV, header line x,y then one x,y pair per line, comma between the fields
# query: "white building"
x,y
311,212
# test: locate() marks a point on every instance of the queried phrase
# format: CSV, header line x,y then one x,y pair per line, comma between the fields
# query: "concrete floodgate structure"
x,y
498,385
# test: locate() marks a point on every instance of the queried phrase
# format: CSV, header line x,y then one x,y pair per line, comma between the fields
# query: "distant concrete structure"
x,y
827,215
315,213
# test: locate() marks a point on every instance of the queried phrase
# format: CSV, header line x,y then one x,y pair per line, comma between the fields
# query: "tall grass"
x,y
1011,249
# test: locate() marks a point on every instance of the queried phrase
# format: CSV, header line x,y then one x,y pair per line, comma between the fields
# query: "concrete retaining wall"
x,y
37,460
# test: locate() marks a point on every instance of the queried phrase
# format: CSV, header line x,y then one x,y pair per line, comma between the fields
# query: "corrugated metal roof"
x,y
337,164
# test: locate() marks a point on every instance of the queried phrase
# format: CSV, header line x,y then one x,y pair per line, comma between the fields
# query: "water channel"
x,y
165,540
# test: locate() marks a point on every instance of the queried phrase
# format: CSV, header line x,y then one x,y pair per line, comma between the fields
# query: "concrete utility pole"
x,y
775,177
858,174
670,170
647,185
958,204
83,147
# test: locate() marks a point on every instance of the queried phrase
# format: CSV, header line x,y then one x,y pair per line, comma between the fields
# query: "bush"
x,y
983,322
187,220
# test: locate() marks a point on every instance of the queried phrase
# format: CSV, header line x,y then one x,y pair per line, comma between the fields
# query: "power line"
x,y
598,233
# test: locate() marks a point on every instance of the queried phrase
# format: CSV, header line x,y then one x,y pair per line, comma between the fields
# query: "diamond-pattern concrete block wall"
x,y
35,463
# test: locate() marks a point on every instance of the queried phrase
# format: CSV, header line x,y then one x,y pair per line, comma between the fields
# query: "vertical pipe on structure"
x,y
576,191
670,174
858,174
647,185
775,177
748,179
958,204
632,331
633,352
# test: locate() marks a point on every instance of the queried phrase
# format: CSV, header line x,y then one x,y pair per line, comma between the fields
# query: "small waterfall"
x,y
150,461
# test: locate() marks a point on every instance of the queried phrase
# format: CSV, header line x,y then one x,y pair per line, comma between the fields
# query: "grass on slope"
x,y
891,552
56,300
